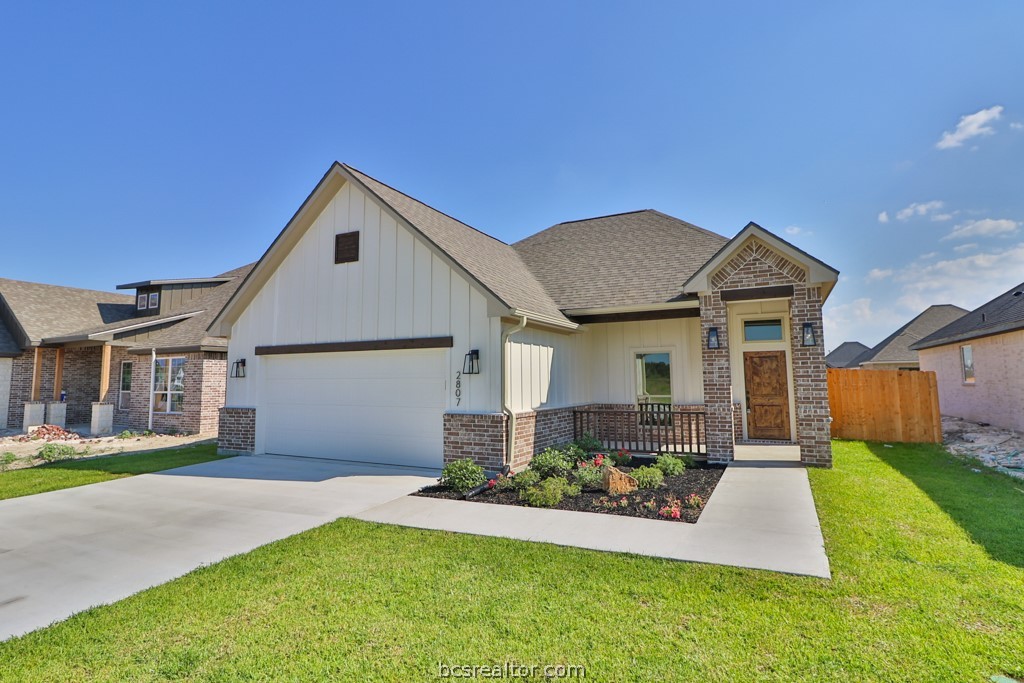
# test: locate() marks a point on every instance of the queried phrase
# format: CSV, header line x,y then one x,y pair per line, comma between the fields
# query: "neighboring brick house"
x,y
896,352
978,361
102,352
377,328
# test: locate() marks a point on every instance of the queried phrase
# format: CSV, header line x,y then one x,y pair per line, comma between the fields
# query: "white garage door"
x,y
374,406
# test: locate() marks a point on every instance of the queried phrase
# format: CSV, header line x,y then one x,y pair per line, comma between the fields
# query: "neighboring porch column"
x,y
35,410
103,412
718,405
56,410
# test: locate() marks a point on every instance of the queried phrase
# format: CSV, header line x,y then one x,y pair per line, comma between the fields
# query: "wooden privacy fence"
x,y
884,405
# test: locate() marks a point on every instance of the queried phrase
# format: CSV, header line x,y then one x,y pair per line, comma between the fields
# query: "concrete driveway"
x,y
65,551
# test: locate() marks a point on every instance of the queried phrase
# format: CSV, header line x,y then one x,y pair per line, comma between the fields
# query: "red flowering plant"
x,y
673,510
693,501
621,457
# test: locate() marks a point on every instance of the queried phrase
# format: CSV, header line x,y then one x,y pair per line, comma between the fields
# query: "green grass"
x,y
65,474
928,562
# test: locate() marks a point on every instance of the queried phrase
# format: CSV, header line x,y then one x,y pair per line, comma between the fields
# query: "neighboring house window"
x,y
967,362
142,302
154,300
169,385
762,330
653,378
124,398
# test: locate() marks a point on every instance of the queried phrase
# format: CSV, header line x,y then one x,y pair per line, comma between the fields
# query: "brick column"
x,y
718,402
237,432
810,380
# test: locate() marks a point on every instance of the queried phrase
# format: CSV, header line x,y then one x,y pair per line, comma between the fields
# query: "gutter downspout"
x,y
505,397
152,379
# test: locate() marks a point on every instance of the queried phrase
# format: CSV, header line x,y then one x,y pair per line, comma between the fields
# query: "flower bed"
x,y
558,480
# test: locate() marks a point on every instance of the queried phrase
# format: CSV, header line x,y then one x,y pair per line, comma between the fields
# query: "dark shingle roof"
x,y
896,348
51,310
628,259
844,355
1005,313
493,263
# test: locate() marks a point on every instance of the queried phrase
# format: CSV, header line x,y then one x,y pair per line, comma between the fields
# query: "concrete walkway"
x,y
65,551
760,516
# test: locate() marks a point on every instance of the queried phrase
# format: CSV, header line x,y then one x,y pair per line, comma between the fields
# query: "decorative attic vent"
x,y
346,247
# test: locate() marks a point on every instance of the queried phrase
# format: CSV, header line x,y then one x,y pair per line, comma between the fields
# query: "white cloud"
x,y
929,255
859,320
971,126
919,209
986,227
883,217
877,274
943,216
965,247
794,230
967,281
1017,125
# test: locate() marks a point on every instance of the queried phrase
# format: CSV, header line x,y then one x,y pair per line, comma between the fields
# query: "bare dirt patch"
x,y
995,447
24,448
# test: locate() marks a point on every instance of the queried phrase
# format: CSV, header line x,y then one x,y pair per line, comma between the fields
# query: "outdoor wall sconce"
x,y
713,342
808,337
471,364
238,368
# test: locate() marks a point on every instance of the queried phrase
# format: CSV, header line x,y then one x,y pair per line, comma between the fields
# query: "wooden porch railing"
x,y
650,428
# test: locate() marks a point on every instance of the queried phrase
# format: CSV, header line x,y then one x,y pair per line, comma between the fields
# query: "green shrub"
x,y
126,434
589,476
505,483
548,493
525,479
620,457
551,462
574,453
56,451
649,477
462,475
670,465
588,443
6,460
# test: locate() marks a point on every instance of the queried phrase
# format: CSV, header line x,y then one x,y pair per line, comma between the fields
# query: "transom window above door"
x,y
653,378
762,330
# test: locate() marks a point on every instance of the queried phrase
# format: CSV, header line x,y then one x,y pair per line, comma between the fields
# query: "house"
x,y
896,351
978,361
378,328
844,355
72,356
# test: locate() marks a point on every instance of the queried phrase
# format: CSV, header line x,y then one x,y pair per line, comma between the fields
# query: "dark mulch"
x,y
700,479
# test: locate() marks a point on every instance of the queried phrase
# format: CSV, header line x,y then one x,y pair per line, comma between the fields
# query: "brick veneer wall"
x,y
537,430
81,379
758,265
479,436
717,375
236,432
205,380
21,383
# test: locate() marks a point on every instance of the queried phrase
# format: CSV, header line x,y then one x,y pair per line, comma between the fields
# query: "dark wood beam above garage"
x,y
376,345
634,316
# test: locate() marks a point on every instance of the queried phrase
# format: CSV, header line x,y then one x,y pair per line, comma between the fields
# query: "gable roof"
x,y
843,355
627,259
1005,313
180,328
485,260
818,272
491,262
51,310
896,348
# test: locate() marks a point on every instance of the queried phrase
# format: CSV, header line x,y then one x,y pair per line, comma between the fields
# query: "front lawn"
x,y
927,557
65,474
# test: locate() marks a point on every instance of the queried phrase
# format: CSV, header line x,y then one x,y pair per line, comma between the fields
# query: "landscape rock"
x,y
618,483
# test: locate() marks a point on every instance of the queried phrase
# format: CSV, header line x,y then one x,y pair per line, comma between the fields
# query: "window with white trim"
x,y
653,378
967,363
124,397
154,300
169,385
142,302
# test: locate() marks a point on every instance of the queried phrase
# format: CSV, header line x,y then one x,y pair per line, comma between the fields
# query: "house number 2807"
x,y
458,387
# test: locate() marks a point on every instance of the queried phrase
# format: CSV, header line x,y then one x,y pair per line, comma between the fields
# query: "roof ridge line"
x,y
423,203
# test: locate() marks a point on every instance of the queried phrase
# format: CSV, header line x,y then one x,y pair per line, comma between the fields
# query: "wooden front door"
x,y
767,389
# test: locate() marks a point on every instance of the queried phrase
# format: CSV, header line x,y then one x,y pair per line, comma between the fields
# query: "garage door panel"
x,y
382,407
411,392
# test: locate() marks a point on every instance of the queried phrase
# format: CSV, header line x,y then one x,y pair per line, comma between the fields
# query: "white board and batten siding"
x,y
399,288
547,370
612,348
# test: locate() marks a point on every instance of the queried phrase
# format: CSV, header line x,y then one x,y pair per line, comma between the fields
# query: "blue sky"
x,y
143,140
